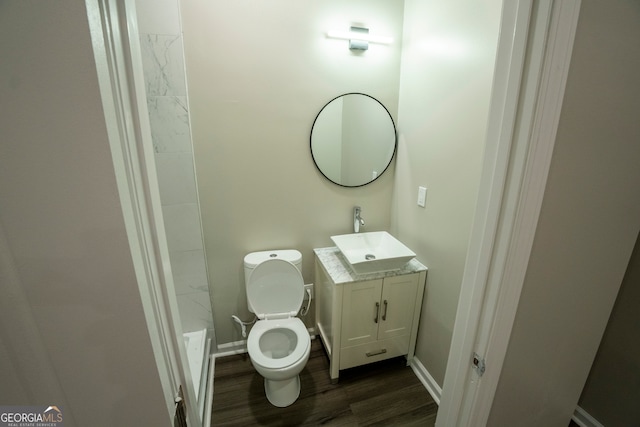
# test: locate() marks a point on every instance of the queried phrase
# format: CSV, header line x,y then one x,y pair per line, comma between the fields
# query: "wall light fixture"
x,y
359,38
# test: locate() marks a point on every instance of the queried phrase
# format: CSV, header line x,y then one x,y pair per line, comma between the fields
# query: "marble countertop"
x,y
341,272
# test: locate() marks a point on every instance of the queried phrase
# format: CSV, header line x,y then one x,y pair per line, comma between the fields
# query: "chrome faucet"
x,y
357,219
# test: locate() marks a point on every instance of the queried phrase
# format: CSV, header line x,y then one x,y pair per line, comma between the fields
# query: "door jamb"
x,y
532,66
509,200
116,47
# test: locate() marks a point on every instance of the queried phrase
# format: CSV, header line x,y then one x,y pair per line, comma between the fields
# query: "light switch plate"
x,y
422,196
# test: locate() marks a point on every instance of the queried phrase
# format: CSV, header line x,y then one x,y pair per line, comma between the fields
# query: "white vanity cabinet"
x,y
366,318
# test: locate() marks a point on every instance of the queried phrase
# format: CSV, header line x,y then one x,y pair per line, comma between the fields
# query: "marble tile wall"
x,y
163,63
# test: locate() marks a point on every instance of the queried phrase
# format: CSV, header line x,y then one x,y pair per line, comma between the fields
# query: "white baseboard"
x,y
583,419
426,379
231,348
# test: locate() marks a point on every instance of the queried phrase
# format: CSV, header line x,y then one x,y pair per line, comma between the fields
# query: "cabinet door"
x,y
360,312
397,305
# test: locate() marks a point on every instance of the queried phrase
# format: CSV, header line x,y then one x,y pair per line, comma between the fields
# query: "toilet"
x,y
278,343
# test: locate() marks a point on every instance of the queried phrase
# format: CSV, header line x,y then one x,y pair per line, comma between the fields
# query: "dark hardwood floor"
x,y
386,394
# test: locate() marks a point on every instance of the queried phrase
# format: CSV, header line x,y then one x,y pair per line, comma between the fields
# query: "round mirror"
x,y
353,139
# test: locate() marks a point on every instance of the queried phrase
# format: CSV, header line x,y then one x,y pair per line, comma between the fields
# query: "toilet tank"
x,y
254,258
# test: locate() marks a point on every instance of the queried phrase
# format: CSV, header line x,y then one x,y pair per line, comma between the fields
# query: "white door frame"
x,y
116,47
534,52
526,99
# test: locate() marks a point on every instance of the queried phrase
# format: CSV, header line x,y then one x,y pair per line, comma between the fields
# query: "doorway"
x,y
494,202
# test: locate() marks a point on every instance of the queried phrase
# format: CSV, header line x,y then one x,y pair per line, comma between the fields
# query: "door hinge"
x,y
478,364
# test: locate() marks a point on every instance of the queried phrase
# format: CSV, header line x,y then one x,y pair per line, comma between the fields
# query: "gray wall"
x,y
588,224
612,391
447,69
257,79
72,327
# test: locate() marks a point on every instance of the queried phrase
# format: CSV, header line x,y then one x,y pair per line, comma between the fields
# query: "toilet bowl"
x,y
278,343
279,351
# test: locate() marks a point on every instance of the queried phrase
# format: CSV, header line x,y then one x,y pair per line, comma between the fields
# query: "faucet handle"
x,y
357,220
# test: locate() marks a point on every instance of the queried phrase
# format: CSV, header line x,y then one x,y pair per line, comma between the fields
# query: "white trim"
x,y
584,419
208,407
542,95
203,395
504,101
550,41
113,28
119,140
231,348
426,379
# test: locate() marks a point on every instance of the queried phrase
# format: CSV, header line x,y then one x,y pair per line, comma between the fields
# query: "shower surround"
x,y
165,82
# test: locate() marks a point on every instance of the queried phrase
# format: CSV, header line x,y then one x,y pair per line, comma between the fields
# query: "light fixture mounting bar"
x,y
359,42
360,34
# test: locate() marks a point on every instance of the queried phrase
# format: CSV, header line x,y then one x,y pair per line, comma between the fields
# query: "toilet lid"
x,y
275,289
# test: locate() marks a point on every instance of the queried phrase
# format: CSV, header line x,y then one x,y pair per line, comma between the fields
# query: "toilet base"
x,y
282,393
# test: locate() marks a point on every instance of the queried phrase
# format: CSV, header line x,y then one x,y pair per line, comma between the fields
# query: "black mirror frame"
x,y
395,142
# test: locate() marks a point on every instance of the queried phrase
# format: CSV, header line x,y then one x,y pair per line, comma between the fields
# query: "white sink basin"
x,y
373,251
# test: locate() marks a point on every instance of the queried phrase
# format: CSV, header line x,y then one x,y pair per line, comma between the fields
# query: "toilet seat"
x,y
261,327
